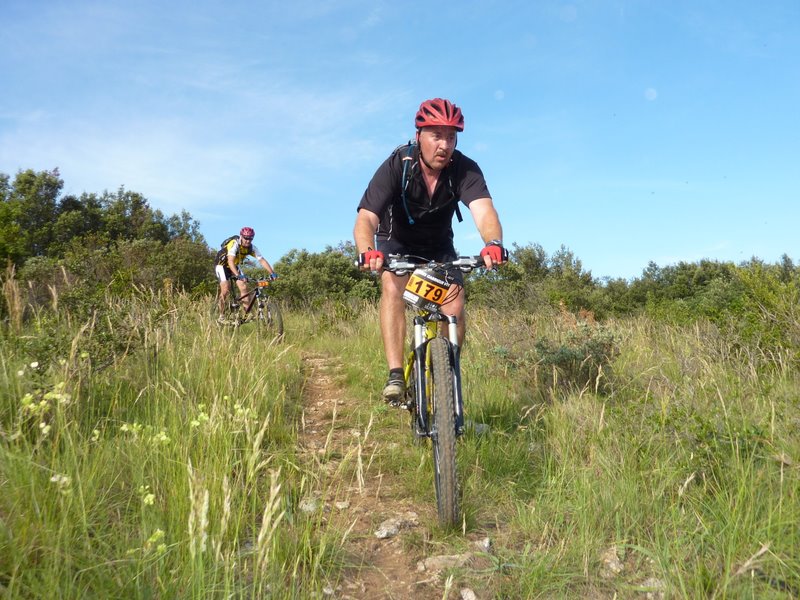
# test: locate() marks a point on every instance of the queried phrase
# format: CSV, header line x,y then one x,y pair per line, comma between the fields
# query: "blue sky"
x,y
628,131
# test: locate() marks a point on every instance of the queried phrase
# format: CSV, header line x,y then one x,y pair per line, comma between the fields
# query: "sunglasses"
x,y
244,237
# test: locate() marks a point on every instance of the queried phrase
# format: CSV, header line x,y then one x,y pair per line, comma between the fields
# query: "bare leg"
x,y
224,291
393,318
243,292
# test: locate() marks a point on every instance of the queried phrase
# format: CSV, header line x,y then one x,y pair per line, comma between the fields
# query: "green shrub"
x,y
580,360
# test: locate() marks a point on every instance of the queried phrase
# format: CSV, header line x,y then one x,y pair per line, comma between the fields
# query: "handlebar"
x,y
258,281
402,264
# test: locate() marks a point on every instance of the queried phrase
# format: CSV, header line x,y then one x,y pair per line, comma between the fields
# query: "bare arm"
x,y
363,234
487,221
266,265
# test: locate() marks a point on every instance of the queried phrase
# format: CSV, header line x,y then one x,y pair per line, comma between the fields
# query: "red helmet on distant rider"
x,y
247,232
439,111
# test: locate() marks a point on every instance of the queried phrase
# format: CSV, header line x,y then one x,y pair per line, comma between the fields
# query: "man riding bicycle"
x,y
408,208
230,256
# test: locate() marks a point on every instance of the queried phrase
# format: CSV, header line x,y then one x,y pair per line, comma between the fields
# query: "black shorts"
x,y
436,254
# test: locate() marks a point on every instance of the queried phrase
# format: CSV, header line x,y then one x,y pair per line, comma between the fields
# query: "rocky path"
x,y
385,544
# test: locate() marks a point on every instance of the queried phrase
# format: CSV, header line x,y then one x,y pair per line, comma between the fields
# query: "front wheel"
x,y
444,433
270,320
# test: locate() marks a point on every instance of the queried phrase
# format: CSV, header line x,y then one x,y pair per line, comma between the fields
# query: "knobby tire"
x,y
444,439
270,320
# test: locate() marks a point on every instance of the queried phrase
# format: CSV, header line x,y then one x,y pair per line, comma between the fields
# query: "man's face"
x,y
436,145
246,241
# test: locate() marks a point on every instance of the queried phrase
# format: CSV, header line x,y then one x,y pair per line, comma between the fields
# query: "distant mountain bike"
x,y
433,371
262,310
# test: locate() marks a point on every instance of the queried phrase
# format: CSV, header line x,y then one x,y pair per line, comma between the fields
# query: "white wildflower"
x,y
62,482
157,536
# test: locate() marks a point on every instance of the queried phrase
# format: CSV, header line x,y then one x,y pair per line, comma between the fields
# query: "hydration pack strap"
x,y
406,179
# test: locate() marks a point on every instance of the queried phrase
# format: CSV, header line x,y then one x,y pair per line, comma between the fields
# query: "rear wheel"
x,y
444,433
270,320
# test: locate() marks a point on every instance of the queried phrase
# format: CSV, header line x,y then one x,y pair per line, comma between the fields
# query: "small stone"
x,y
612,565
484,545
440,563
309,505
391,527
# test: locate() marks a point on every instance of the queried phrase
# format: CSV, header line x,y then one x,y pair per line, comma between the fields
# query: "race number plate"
x,y
426,289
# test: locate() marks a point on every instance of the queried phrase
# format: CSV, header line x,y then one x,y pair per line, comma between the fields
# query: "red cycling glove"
x,y
365,257
496,252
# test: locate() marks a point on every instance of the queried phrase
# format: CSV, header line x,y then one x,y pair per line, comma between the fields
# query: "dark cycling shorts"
x,y
437,254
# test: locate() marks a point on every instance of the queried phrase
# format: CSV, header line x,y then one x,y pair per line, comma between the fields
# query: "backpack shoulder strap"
x,y
451,188
408,170
227,240
456,200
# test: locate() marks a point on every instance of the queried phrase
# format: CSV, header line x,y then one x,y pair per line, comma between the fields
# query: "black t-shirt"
x,y
462,180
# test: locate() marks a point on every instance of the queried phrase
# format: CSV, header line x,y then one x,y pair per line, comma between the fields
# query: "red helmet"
x,y
247,232
439,112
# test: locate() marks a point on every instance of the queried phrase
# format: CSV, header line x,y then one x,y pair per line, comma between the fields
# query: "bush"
x,y
579,361
331,275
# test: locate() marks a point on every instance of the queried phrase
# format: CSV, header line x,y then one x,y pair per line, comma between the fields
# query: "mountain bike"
x,y
263,310
432,370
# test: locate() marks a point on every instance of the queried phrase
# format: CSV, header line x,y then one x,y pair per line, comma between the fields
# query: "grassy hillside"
x,y
145,452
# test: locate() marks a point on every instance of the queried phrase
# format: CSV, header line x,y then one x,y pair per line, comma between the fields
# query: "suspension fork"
x,y
455,363
420,348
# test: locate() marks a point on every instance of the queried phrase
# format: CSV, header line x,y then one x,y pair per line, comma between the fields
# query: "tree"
x,y
128,216
29,208
330,275
184,226
567,282
78,218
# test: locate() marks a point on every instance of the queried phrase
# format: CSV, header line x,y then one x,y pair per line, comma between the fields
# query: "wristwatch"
x,y
495,243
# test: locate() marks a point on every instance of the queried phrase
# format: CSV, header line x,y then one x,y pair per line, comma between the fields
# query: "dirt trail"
x,y
362,498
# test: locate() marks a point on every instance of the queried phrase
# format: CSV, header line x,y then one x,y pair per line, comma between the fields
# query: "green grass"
x,y
151,454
